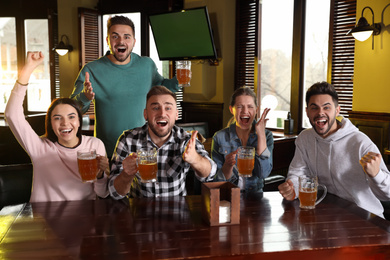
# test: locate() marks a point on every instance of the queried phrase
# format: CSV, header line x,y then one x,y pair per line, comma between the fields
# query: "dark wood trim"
x,y
297,68
145,48
369,116
283,153
376,125
212,113
27,9
148,6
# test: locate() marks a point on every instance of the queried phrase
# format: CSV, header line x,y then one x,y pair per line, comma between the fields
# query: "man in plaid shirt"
x,y
177,151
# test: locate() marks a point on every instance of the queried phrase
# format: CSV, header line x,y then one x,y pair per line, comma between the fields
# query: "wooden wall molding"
x,y
376,116
376,126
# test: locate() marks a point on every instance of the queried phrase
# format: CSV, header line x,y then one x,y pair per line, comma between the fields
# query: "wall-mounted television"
x,y
185,35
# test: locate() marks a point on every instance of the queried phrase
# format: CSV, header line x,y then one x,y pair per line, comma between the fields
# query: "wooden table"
x,y
269,228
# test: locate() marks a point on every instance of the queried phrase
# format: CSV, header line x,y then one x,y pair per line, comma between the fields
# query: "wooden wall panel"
x,y
376,126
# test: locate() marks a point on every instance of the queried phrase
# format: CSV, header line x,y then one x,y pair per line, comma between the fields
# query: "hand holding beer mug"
x,y
88,165
308,187
245,160
147,164
183,72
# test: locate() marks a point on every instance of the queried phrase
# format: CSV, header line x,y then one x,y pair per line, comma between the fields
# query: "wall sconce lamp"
x,y
363,30
63,48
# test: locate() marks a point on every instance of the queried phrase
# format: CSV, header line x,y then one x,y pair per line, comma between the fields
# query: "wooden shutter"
x,y
247,13
54,57
343,50
90,25
179,100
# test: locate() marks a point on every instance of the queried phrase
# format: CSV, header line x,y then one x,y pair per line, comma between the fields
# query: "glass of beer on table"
x,y
88,164
308,187
183,72
245,160
147,164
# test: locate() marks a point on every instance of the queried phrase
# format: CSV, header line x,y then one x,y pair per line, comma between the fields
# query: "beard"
x,y
326,131
117,54
121,59
160,134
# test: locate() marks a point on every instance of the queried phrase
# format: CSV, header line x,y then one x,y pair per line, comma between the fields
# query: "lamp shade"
x,y
62,52
63,48
363,30
362,36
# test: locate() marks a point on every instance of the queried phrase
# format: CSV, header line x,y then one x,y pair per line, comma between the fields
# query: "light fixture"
x,y
63,48
363,30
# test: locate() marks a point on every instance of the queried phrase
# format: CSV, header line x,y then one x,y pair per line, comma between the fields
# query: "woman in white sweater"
x,y
54,155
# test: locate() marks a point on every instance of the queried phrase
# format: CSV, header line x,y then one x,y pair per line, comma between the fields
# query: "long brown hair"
x,y
49,133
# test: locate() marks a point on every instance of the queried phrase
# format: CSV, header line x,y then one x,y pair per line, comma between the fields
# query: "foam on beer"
x,y
86,157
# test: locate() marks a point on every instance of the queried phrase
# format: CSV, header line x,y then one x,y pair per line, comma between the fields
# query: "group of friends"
x,y
135,107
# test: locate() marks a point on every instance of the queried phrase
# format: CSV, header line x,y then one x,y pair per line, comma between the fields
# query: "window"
x,y
316,47
36,39
276,54
276,50
38,91
38,32
8,57
286,72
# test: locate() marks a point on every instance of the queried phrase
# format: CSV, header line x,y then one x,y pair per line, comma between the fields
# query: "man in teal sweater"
x,y
117,83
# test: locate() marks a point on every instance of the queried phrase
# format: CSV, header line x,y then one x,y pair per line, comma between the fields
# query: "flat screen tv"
x,y
184,35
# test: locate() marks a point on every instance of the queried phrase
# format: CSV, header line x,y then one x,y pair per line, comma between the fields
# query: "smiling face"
x,y
244,111
161,114
65,123
322,113
121,41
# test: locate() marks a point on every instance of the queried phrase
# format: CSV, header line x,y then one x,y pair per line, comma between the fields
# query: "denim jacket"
x,y
226,141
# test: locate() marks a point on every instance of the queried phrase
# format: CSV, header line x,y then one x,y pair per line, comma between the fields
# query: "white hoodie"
x,y
335,160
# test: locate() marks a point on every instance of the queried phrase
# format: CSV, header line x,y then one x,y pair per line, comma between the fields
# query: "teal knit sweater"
x,y
120,94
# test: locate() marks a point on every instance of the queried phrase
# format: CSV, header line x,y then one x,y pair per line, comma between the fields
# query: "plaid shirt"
x,y
172,169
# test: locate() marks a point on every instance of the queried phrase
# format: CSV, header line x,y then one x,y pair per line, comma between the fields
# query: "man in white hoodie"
x,y
343,158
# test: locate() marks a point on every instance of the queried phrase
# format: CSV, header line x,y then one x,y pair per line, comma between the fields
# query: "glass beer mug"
x,y
183,72
308,187
147,164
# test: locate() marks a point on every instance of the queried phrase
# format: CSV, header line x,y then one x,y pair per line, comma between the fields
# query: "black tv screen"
x,y
184,35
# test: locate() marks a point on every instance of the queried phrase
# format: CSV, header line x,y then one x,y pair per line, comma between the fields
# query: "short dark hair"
x,y
159,90
49,134
243,91
322,88
120,19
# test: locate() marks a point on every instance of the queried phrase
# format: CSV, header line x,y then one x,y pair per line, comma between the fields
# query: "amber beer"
x,y
148,170
245,160
308,187
183,72
245,166
183,76
307,198
88,165
147,164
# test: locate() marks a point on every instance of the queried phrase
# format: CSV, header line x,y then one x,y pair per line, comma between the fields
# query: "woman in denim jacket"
x,y
244,131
